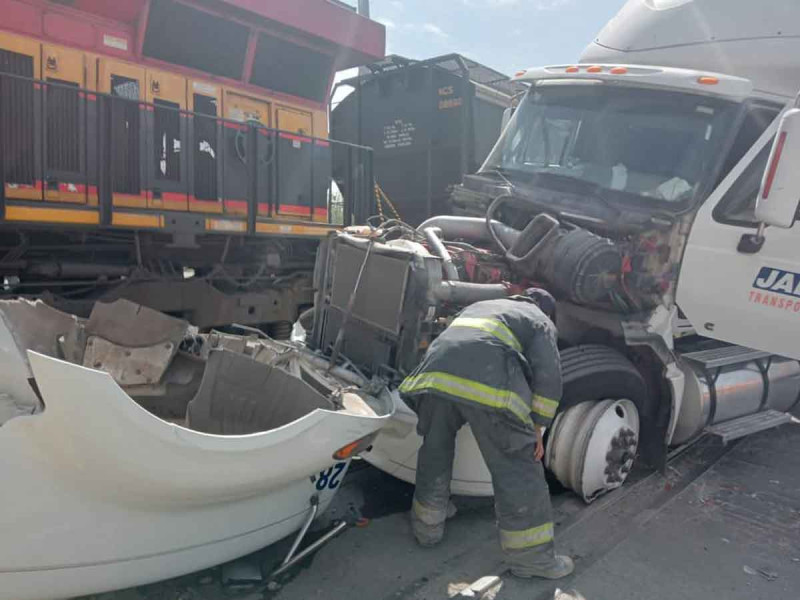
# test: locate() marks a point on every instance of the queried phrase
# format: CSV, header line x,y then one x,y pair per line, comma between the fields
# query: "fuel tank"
x,y
717,395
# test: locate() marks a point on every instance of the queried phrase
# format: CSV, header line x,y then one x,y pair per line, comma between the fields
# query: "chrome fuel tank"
x,y
716,395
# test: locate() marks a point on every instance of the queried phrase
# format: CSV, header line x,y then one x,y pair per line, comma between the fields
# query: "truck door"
x,y
126,160
749,299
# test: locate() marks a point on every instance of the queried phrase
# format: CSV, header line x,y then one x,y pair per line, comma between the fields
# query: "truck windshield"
x,y
630,144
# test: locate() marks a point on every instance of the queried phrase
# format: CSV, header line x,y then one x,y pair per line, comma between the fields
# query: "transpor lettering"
x,y
775,301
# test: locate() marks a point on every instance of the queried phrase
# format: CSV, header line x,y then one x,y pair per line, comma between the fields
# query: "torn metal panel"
x,y
133,343
129,365
239,395
128,324
25,324
37,326
16,396
169,398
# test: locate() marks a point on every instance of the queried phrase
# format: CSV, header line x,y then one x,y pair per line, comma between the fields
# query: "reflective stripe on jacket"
x,y
500,354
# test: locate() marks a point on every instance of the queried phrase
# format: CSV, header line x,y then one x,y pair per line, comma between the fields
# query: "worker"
x,y
496,368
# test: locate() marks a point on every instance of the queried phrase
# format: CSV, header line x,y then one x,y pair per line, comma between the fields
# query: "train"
x,y
175,153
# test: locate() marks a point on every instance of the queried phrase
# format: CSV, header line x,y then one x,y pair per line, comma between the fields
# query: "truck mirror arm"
x,y
751,243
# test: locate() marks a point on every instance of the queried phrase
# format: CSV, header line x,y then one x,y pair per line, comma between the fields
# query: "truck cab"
x,y
631,184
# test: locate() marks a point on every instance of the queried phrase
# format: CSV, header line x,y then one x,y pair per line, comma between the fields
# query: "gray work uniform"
x,y
496,368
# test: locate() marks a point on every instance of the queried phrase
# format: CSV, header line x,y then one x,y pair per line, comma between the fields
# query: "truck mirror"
x,y
507,114
779,196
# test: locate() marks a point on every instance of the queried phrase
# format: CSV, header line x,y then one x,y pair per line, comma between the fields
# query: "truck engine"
x,y
407,283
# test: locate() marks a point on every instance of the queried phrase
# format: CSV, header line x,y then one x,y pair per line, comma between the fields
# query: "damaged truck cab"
x,y
630,192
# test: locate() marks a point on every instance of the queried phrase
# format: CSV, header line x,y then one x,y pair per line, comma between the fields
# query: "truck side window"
x,y
738,205
755,123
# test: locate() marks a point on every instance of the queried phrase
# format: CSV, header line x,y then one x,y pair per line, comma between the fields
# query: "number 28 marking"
x,y
330,478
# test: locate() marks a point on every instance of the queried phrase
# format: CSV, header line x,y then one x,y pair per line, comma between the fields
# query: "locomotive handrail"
x,y
355,180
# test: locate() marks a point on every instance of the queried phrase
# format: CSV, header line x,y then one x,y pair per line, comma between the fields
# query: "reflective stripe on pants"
x,y
522,498
526,538
427,514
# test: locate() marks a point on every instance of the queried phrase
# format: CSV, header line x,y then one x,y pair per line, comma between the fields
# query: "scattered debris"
x,y
485,588
768,575
765,573
570,595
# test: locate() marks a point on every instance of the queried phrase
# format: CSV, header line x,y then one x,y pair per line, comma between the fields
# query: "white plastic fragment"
x,y
485,588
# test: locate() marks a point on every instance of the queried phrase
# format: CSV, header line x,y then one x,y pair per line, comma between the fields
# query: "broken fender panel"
x,y
100,494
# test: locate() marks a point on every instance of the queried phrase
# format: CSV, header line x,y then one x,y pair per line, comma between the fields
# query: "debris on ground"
x,y
570,595
485,588
765,573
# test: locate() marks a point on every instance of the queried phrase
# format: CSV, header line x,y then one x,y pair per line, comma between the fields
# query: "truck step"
x,y
737,428
725,356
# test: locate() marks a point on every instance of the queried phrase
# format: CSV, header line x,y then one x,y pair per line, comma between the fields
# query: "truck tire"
x,y
592,443
595,372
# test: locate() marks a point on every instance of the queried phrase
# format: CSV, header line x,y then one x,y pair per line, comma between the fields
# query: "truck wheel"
x,y
592,443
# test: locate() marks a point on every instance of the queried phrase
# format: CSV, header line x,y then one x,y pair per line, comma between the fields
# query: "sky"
x,y
507,35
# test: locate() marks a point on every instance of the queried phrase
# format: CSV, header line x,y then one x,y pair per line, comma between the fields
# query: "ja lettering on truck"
x,y
652,188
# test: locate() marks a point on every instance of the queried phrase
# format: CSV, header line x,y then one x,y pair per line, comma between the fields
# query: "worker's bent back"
x,y
497,354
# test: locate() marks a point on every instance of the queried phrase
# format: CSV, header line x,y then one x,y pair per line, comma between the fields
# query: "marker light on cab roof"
x,y
690,80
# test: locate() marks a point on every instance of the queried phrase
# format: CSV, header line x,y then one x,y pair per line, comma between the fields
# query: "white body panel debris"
x,y
99,493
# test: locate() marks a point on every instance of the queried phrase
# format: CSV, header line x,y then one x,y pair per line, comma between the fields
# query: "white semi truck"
x,y
653,187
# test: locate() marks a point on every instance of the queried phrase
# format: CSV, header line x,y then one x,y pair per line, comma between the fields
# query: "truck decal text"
x,y
778,281
773,286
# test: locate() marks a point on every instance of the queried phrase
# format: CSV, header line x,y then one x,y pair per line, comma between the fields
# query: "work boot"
x,y
427,536
559,566
428,523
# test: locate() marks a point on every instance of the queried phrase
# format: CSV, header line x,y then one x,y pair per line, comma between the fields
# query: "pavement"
x,y
722,522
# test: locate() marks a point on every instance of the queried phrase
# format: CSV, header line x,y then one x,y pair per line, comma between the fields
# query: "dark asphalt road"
x,y
723,523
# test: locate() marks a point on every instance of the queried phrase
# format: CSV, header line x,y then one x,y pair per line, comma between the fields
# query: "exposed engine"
x,y
624,275
393,287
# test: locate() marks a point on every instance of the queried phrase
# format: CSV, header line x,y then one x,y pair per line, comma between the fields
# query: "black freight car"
x,y
429,122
